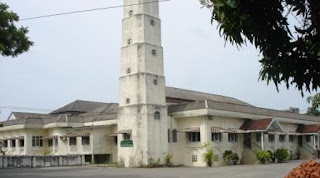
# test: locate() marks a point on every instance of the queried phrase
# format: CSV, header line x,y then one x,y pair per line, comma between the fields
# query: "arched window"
x,y
157,115
155,82
128,71
130,12
129,41
128,101
152,22
154,52
174,135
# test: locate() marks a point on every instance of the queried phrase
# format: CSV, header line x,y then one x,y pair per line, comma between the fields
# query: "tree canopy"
x,y
285,31
315,105
13,40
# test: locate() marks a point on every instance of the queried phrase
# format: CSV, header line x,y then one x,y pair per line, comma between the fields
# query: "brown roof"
x,y
308,129
256,124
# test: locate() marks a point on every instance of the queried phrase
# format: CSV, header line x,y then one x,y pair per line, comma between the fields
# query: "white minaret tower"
x,y
142,119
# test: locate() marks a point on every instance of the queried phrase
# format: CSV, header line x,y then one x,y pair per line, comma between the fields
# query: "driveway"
x,y
240,171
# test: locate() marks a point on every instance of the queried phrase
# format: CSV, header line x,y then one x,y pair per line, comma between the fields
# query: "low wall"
x,y
41,161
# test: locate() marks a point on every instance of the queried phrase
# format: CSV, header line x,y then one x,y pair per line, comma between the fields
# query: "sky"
x,y
78,57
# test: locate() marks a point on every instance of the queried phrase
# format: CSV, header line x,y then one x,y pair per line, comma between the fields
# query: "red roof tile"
x,y
256,124
309,129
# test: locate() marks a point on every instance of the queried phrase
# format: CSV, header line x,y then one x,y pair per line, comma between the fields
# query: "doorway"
x,y
247,140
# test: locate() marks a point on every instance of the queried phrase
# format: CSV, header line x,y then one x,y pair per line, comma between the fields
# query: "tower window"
x,y
129,41
155,82
154,52
130,12
128,101
152,22
157,115
126,136
128,71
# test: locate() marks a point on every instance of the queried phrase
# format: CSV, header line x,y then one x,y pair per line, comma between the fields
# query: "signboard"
x,y
127,143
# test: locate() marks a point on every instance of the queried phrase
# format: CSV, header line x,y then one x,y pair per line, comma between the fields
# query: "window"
x,y
115,139
129,41
126,136
155,82
55,141
21,142
232,137
169,136
308,138
282,138
72,140
37,141
128,71
50,142
194,158
13,143
85,140
174,136
258,137
130,12
152,22
216,137
271,138
128,101
5,143
157,115
194,136
154,52
291,138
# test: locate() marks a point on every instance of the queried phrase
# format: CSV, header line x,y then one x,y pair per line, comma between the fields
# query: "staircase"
x,y
305,153
249,157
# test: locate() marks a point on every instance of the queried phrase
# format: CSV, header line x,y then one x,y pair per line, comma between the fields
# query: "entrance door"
x,y
300,141
247,140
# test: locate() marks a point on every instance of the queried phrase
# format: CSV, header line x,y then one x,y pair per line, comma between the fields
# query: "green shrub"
x,y
208,157
168,160
1,124
263,156
281,154
235,158
227,155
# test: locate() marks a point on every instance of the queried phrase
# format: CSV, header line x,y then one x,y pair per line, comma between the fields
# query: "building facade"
x,y
152,121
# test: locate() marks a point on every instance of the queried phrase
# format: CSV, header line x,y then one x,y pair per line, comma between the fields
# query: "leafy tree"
x,y
13,40
291,51
315,105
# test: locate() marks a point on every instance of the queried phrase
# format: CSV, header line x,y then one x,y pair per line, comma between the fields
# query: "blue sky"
x,y
78,57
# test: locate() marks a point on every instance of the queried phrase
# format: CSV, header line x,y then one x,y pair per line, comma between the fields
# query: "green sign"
x,y
127,143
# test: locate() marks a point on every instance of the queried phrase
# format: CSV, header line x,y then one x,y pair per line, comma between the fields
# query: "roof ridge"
x,y
74,104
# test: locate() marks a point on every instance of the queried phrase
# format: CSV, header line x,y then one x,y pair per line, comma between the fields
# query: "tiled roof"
x,y
256,124
238,108
309,129
174,94
79,106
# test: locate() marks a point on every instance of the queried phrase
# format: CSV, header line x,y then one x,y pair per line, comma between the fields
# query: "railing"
x,y
255,147
309,148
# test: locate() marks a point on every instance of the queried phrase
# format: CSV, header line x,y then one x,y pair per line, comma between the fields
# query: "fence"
x,y
40,161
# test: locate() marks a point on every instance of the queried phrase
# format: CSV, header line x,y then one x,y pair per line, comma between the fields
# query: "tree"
x,y
315,105
291,52
13,40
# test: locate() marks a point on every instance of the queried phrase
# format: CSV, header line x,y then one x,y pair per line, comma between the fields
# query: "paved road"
x,y
241,171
